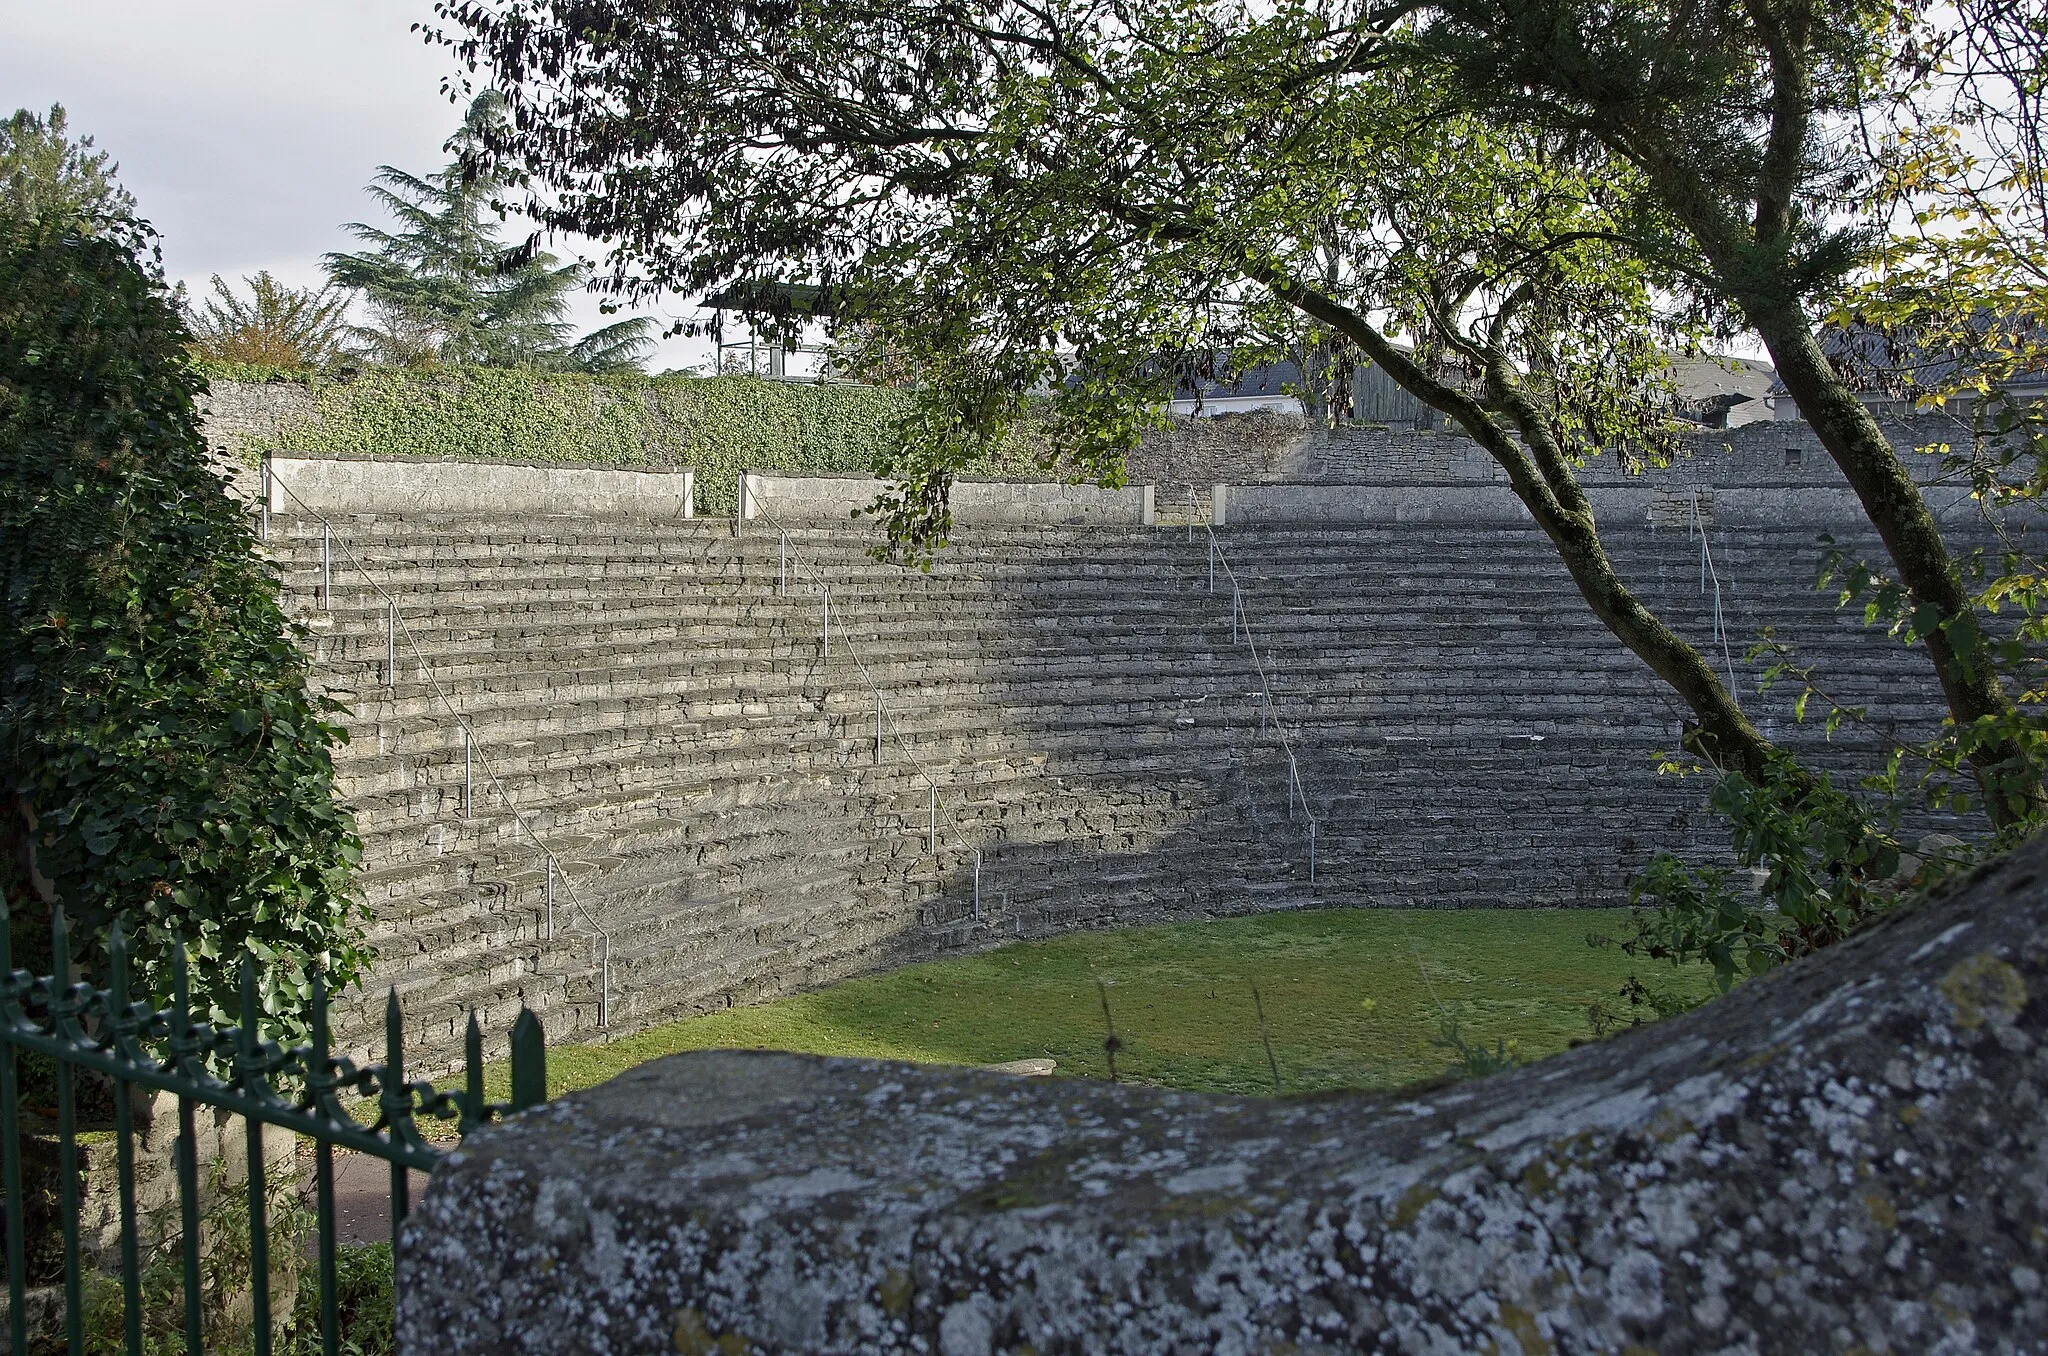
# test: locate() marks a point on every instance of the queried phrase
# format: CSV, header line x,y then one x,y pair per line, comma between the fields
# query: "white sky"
x,y
247,128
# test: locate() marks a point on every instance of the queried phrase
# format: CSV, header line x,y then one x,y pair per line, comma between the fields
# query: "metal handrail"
x,y
396,624
1709,574
793,563
1240,623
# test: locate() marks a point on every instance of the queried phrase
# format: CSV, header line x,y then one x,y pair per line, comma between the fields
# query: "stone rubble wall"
x,y
1267,448
240,415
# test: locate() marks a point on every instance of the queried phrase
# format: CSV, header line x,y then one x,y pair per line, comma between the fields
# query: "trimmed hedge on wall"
x,y
716,425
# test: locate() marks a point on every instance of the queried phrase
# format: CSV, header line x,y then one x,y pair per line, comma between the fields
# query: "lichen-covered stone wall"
x,y
1845,1156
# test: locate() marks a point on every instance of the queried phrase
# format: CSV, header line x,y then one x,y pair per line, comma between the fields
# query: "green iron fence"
x,y
102,1031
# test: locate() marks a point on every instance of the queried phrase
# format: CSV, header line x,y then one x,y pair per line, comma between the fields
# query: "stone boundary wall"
x,y
1762,454
236,415
1811,495
1831,508
1192,454
1051,503
346,485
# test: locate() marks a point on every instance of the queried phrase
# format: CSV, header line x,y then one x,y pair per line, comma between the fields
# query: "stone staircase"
x,y
664,717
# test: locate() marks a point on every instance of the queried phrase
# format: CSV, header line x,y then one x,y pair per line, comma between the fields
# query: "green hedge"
x,y
716,425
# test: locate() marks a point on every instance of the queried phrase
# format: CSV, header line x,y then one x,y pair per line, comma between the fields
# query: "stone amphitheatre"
x,y
620,763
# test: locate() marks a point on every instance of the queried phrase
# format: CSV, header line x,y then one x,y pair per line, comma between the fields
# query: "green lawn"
x,y
1353,998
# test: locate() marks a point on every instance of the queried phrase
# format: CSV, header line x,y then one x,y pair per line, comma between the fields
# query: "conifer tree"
x,y
443,289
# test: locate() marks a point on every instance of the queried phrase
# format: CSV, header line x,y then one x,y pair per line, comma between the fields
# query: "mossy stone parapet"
x,y
1843,1155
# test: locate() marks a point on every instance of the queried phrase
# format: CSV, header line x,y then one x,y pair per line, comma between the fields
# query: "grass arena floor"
x,y
1353,998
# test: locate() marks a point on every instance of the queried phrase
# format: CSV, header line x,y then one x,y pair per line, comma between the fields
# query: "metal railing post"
x,y
878,727
1212,562
468,804
548,896
263,488
391,644
932,842
977,882
825,638
326,568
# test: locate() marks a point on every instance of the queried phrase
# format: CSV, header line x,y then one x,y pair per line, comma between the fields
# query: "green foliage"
x,y
1952,299
161,758
278,327
1830,862
365,1291
1475,1060
1988,764
44,173
446,291
715,425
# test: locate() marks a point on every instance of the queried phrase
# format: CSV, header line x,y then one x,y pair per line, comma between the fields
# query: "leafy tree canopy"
x,y
278,326
1760,130
1539,196
1081,199
445,290
44,173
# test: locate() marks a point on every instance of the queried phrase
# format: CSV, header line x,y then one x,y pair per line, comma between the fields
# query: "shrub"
x,y
1824,861
161,758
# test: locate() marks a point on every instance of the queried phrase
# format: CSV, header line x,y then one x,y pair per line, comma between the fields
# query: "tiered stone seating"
x,y
667,722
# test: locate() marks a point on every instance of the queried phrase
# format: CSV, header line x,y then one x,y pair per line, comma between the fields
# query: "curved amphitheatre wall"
x,y
652,701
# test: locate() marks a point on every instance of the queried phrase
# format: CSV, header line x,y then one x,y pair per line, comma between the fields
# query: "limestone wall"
x,y
238,415
354,486
664,708
1819,507
809,499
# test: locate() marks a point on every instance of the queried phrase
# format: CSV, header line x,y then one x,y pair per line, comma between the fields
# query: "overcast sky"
x,y
247,128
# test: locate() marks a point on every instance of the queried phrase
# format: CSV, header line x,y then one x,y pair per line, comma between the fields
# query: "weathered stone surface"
x,y
660,707
1845,1156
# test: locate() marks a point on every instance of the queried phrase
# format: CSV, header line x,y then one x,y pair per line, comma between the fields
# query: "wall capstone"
x,y
835,499
386,485
1843,1155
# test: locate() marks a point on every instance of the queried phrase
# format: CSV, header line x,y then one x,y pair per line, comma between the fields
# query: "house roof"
x,y
1708,378
1877,363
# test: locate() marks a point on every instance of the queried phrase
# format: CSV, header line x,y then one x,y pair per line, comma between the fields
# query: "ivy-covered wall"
x,y
716,425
